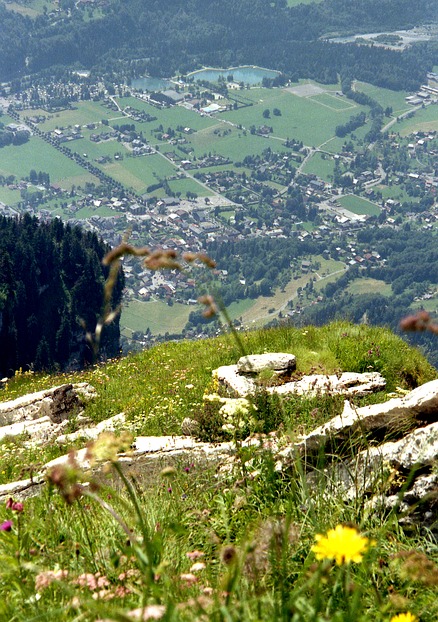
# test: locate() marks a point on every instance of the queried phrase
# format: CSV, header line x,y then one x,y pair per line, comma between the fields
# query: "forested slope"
x,y
178,35
51,277
410,266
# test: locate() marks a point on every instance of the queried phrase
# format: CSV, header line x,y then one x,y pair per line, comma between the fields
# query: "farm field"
x,y
167,117
328,266
157,316
321,165
189,185
369,286
258,312
9,197
430,305
236,309
302,118
334,102
358,205
396,192
102,148
32,8
385,97
234,145
38,155
334,144
140,172
424,120
85,112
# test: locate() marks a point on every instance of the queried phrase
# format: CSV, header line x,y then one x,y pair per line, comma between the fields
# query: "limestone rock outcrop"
x,y
44,414
385,454
243,379
278,362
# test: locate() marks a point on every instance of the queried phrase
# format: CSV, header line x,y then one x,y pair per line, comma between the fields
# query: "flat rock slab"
x,y
38,429
398,415
144,447
56,403
348,383
92,432
277,361
175,444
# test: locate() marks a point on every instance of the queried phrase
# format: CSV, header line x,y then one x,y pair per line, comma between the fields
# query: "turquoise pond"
x,y
246,74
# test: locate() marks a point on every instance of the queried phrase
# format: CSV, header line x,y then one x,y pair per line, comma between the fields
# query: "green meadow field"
x,y
310,119
84,112
424,120
321,165
38,155
156,315
31,8
369,286
140,172
102,148
235,145
9,197
189,185
385,97
358,205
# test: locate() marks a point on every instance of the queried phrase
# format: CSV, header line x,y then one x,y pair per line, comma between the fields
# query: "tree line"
x,y
179,35
51,287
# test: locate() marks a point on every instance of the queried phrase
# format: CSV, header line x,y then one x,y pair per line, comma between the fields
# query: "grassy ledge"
x,y
181,542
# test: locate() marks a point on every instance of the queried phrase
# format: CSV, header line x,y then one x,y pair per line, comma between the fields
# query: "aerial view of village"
x,y
218,310
211,159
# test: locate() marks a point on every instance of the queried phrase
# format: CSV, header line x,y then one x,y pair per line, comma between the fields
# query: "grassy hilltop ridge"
x,y
181,541
161,386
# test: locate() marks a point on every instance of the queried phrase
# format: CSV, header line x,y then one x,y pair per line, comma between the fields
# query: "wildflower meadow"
x,y
228,539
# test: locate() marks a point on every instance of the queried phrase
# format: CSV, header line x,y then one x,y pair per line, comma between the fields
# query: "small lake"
x,y
246,74
151,84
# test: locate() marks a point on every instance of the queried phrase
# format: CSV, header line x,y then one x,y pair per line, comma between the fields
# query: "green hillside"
x,y
178,541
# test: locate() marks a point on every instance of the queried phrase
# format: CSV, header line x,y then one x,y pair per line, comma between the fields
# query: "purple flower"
x,y
6,526
15,506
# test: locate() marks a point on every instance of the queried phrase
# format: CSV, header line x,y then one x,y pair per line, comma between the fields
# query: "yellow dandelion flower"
x,y
404,617
343,544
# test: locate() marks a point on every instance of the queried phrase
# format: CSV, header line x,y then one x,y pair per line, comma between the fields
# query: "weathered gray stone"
x,y
378,473
229,377
275,361
19,488
346,384
56,403
81,458
393,475
352,384
92,432
39,430
397,416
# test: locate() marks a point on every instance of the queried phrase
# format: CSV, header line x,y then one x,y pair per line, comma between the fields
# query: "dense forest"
x,y
411,268
51,285
148,36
